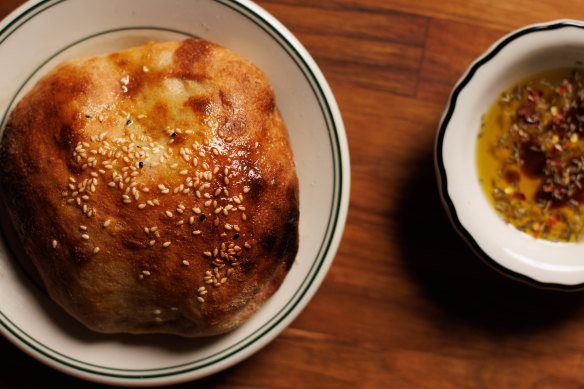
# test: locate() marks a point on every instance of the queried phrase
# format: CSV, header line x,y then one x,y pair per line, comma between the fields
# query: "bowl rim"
x,y
440,169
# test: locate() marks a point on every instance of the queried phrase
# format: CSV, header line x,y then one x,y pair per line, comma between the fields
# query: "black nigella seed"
x,y
203,217
173,134
235,236
128,122
87,116
141,164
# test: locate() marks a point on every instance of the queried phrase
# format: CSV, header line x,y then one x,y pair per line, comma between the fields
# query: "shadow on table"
x,y
456,279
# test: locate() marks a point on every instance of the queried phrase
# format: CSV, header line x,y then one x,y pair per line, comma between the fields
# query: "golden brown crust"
x,y
154,189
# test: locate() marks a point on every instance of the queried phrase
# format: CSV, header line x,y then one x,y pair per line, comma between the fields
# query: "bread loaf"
x,y
154,189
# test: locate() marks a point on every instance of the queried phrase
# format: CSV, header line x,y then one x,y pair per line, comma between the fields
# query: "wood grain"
x,y
406,304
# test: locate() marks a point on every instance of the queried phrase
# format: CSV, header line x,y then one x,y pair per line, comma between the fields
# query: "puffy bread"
x,y
154,189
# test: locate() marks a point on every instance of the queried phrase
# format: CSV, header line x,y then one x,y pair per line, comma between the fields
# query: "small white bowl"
x,y
529,50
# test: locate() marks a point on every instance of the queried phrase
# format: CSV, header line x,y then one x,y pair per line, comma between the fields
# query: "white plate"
x,y
42,33
520,54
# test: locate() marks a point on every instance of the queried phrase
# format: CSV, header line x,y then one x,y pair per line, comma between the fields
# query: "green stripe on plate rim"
x,y
281,315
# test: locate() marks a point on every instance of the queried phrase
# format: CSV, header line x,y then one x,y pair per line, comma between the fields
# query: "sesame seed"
x,y
96,250
185,262
168,213
85,236
82,227
55,244
141,206
246,189
197,210
146,272
196,232
201,299
107,223
183,172
226,180
151,243
208,253
166,244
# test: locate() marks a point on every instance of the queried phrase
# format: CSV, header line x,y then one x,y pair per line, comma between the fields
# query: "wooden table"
x,y
406,304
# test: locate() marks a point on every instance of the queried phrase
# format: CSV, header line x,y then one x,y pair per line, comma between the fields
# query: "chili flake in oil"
x,y
530,155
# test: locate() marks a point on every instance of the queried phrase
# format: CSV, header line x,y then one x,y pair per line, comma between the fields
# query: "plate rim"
x,y
320,264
